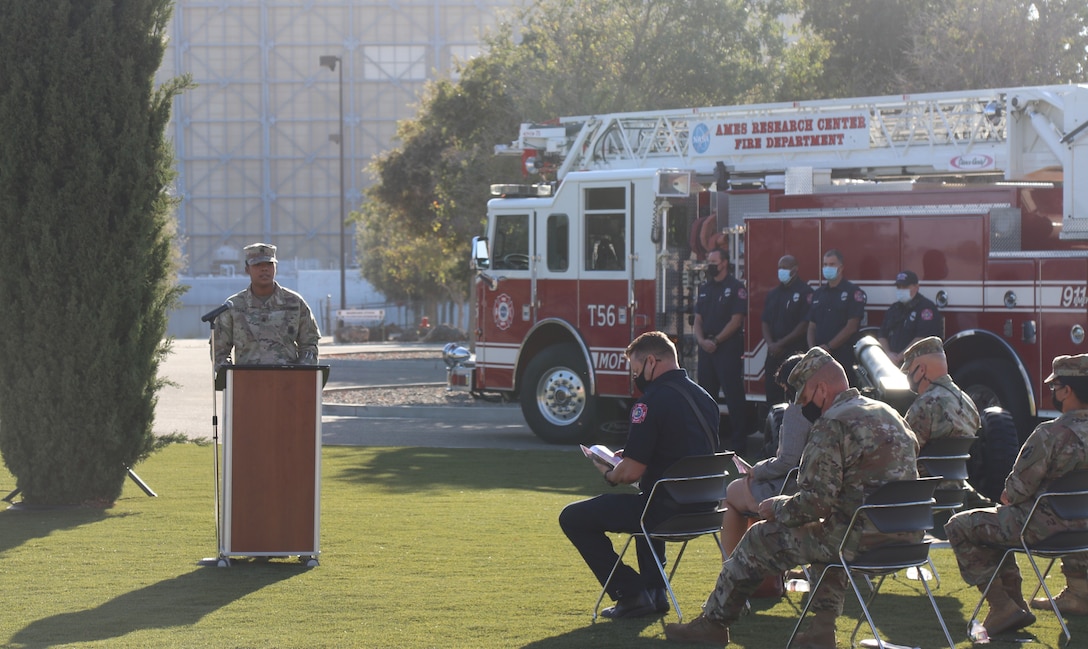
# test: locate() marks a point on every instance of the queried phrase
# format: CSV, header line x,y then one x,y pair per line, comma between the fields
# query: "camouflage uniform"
x,y
276,330
978,537
273,330
857,445
944,410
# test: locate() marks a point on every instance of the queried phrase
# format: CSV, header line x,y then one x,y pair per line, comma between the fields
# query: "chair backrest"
x,y
698,478
901,506
1068,495
947,457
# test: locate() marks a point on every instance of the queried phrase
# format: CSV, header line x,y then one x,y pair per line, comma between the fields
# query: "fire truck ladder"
x,y
1030,133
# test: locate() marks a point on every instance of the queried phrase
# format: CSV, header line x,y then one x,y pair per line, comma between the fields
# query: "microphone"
x,y
214,313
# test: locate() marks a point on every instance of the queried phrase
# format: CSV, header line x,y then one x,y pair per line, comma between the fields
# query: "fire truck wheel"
x,y
991,383
994,453
771,427
554,397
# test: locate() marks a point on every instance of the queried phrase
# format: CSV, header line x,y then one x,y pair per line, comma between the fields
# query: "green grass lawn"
x,y
420,548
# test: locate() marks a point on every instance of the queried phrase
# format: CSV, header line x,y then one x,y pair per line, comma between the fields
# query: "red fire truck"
x,y
983,193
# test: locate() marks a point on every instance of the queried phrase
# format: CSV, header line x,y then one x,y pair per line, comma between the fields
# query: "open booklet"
x,y
601,454
741,465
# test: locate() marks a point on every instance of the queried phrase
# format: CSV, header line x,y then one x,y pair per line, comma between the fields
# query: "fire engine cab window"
x,y
605,217
511,248
558,242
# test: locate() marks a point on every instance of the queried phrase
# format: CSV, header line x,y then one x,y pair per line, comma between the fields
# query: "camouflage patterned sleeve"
x,y
920,419
308,334
223,335
819,479
1031,466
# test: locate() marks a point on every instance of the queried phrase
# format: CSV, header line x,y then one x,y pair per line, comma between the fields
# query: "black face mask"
x,y
811,411
1057,402
641,382
914,385
712,271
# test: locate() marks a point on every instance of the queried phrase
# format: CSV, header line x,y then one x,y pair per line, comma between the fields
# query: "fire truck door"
x,y
555,276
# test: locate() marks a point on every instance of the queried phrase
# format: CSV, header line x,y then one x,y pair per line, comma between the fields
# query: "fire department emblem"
x,y
638,413
503,312
927,314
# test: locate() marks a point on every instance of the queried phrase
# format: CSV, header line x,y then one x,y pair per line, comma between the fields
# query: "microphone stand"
x,y
219,560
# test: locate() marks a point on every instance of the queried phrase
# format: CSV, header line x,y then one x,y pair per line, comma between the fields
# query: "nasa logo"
x,y
700,138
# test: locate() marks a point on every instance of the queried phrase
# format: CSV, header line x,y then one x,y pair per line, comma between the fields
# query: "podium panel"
x,y
271,491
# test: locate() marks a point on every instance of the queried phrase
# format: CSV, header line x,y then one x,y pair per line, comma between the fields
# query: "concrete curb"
x,y
489,414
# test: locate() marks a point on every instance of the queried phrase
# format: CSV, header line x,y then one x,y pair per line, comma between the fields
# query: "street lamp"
x,y
330,63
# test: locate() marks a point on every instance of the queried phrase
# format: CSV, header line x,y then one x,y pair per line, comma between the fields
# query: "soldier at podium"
x,y
266,324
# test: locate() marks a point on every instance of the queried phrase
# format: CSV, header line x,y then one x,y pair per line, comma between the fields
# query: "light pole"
x,y
330,62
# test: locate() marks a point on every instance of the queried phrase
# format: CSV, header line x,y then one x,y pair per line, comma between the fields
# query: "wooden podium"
x,y
271,489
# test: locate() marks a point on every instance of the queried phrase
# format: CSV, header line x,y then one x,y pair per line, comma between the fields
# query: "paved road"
x,y
187,406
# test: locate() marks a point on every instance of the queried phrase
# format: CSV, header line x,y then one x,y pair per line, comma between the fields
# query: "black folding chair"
x,y
901,506
693,480
946,457
1067,498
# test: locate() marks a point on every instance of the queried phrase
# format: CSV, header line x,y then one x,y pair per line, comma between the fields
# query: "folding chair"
x,y
1067,498
689,481
946,457
896,507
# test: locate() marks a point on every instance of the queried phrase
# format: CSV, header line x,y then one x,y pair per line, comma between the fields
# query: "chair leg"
x,y
1049,596
937,611
864,607
604,587
869,600
985,591
808,604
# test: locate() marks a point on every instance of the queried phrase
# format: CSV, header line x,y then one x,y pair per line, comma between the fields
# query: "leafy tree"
x,y
866,43
953,47
431,197
86,255
565,57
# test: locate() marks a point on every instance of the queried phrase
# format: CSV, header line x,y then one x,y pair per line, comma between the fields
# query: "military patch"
x,y
927,314
638,413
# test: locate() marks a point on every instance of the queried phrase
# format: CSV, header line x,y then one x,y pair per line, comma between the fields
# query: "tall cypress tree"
x,y
87,258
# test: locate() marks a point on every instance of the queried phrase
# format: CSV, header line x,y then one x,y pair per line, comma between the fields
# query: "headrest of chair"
x,y
903,491
945,446
1072,481
696,465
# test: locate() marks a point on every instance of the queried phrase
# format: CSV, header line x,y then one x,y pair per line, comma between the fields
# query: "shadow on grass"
x,y
409,469
617,633
181,601
19,526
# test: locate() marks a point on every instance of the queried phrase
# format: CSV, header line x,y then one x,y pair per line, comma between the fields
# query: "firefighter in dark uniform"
x,y
911,318
720,310
785,321
838,308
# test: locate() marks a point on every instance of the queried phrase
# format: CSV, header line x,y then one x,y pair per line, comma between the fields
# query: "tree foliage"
x,y
563,57
86,258
953,47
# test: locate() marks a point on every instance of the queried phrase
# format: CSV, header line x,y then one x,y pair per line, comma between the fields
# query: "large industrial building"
x,y
258,141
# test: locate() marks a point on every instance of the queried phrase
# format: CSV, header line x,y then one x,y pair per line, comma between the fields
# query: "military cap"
x,y
257,253
929,345
814,359
906,278
1069,366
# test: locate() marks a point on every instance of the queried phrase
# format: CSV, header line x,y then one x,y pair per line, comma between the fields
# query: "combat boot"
x,y
1005,614
1012,583
820,632
1073,600
701,630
